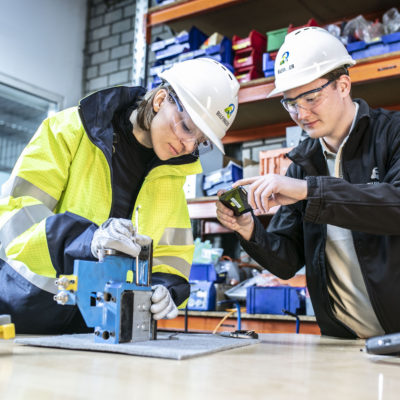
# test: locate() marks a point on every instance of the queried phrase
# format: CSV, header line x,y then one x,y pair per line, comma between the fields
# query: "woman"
x,y
76,186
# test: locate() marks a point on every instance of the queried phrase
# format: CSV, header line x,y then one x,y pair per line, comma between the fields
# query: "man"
x,y
340,200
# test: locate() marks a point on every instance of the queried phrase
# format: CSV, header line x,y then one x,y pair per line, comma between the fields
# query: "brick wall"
x,y
109,44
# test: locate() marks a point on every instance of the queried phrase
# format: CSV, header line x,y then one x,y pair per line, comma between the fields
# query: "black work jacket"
x,y
366,201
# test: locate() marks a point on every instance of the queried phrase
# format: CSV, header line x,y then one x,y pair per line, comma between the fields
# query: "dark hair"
x,y
336,74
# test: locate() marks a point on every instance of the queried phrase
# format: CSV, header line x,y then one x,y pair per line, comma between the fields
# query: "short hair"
x,y
336,73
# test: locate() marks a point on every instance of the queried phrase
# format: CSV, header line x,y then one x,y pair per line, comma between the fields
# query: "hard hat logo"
x,y
285,57
229,110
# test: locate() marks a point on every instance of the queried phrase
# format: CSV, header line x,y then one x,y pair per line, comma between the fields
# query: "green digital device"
x,y
236,200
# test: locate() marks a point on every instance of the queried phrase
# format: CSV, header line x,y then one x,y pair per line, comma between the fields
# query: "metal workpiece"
x,y
113,295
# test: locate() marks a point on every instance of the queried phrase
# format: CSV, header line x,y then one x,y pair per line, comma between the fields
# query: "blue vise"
x,y
113,295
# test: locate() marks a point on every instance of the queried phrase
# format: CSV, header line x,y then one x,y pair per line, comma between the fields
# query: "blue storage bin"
x,y
268,62
365,50
203,272
266,300
183,42
356,46
222,178
269,73
221,52
202,296
391,38
272,300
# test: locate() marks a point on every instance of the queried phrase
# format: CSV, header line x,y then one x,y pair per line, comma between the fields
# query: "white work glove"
x,y
163,306
117,234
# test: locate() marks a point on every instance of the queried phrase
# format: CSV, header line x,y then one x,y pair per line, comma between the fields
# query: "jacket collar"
x,y
97,111
308,153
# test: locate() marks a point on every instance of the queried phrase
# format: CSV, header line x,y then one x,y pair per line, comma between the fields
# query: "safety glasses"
x,y
185,129
307,101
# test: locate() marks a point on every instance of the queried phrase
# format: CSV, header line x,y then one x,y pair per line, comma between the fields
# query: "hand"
x,y
163,306
117,234
271,190
243,224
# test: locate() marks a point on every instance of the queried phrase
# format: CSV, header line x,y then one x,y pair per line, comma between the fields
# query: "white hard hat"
x,y
307,54
209,93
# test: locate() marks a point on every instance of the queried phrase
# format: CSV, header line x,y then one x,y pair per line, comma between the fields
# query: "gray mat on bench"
x,y
174,346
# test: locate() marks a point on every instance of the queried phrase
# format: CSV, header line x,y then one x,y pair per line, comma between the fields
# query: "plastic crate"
x,y
202,296
393,41
221,52
248,74
310,22
272,300
222,178
172,47
255,40
202,272
372,49
274,161
269,63
247,58
276,38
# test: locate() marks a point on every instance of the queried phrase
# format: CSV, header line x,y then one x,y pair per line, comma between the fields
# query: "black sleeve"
x,y
69,237
280,248
370,208
178,287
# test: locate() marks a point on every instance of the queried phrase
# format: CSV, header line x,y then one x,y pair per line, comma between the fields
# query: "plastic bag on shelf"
x,y
204,253
391,21
361,29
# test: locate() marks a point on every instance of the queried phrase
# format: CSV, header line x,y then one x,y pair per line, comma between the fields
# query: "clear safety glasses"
x,y
307,101
185,129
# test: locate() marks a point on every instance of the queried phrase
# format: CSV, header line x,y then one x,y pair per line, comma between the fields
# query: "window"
x,y
20,115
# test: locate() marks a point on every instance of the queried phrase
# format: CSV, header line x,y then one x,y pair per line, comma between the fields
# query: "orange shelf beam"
x,y
259,132
379,67
185,9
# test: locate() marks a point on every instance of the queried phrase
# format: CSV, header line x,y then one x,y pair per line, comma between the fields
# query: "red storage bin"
x,y
248,74
247,58
255,40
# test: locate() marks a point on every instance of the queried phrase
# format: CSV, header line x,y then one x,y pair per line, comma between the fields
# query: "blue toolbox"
x,y
222,178
203,272
113,295
275,299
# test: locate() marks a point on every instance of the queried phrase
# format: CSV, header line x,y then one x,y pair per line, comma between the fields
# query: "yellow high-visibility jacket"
x,y
60,191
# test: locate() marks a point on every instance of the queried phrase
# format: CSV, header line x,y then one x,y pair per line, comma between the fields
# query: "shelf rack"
x,y
377,79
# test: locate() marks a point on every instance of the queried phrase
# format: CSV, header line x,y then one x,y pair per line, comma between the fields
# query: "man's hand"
x,y
242,224
163,306
271,190
118,234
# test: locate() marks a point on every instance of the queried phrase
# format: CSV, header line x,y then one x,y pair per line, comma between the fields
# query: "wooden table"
x,y
282,366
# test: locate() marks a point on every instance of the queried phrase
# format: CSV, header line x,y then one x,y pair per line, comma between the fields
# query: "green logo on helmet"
x,y
229,110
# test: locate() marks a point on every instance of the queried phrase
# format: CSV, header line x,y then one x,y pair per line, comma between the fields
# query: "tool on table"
x,y
114,296
241,334
384,345
7,328
236,200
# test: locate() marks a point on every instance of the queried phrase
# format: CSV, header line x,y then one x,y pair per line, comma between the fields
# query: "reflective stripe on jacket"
x,y
61,190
